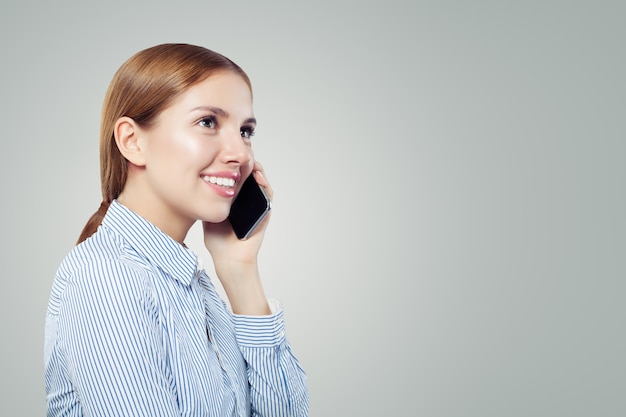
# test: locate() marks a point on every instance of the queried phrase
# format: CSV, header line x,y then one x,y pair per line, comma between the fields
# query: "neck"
x,y
154,211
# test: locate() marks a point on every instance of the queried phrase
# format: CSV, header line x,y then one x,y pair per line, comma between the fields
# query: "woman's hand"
x,y
236,260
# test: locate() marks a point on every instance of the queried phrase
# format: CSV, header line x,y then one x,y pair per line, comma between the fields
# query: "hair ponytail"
x,y
94,222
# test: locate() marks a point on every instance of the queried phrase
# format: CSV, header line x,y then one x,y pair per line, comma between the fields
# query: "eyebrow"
x,y
220,112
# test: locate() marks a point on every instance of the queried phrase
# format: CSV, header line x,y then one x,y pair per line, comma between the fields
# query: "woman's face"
x,y
198,152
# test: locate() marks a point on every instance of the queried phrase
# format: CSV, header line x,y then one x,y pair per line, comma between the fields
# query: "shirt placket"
x,y
209,320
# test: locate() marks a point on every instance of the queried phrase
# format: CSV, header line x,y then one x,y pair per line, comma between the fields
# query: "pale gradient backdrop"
x,y
448,236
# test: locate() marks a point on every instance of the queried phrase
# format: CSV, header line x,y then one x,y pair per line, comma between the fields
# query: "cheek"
x,y
181,150
250,164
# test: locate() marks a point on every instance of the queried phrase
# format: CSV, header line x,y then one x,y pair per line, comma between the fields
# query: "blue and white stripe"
x,y
135,328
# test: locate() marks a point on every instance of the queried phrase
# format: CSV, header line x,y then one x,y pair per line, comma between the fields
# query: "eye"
x,y
208,122
247,132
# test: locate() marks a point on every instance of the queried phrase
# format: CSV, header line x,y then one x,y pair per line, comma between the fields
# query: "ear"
x,y
128,139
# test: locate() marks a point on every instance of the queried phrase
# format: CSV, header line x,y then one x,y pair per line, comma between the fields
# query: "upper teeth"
x,y
224,182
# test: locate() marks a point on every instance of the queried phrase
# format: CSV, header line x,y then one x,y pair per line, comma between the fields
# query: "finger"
x,y
258,167
259,176
262,181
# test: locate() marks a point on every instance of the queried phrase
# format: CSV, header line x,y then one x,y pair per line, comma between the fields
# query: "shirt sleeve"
x,y
277,381
108,333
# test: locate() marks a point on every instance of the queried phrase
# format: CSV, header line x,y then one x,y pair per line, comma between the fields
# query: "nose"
x,y
235,150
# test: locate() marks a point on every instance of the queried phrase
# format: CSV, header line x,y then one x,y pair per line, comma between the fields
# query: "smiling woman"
x,y
189,142
134,324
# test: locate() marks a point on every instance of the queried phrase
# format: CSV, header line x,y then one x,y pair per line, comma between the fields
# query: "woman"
x,y
134,325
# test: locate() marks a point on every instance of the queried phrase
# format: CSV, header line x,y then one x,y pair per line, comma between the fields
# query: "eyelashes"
x,y
247,132
210,122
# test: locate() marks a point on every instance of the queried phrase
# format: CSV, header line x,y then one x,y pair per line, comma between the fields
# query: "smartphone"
x,y
249,208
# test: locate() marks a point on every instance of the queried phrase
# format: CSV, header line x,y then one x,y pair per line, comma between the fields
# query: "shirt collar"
x,y
152,243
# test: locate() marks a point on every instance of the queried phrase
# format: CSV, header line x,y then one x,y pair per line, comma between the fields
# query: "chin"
x,y
212,212
215,217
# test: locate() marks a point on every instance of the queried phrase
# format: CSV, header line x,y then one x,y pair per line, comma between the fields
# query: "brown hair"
x,y
140,89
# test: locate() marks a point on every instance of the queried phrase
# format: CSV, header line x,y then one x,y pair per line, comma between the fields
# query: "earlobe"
x,y
127,134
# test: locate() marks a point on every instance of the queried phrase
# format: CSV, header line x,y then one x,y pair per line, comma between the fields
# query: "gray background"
x,y
448,236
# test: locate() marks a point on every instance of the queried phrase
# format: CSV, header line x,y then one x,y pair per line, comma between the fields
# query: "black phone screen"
x,y
249,208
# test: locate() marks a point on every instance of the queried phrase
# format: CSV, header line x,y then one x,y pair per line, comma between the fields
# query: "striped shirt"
x,y
134,327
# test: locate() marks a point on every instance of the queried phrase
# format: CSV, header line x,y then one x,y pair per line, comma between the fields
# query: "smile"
x,y
221,181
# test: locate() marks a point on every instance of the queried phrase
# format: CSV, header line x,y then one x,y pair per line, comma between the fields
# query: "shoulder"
x,y
100,270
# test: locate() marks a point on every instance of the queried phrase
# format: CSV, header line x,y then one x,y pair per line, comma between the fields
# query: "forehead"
x,y
224,88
